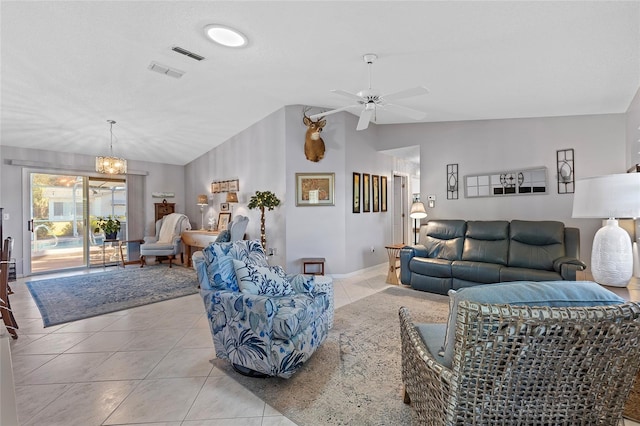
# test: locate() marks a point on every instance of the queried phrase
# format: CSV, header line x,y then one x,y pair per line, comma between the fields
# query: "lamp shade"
x,y
232,197
418,211
203,200
610,196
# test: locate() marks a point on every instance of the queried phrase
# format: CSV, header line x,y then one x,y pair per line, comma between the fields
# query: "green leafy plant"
x,y
109,224
263,200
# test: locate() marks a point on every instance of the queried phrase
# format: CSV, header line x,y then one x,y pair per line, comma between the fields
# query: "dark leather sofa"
x,y
453,254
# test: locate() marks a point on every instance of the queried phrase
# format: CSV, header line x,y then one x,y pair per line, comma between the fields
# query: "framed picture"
x,y
366,193
223,221
234,185
375,181
224,186
215,187
356,192
383,193
315,189
224,207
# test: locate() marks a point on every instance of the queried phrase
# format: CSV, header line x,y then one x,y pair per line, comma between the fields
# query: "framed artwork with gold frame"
x,y
223,221
315,189
366,193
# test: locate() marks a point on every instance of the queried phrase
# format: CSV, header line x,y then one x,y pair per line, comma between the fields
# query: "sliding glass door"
x,y
63,213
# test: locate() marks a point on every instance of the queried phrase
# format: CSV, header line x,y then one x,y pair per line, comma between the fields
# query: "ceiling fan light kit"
x,y
370,101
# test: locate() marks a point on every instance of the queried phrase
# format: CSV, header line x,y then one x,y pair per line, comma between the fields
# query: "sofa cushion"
x,y
478,272
526,293
431,267
486,241
263,280
526,274
295,312
535,244
444,239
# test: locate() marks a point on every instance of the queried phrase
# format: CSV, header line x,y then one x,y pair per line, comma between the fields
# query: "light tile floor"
x,y
147,365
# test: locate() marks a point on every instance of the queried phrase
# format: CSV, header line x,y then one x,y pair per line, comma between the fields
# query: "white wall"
x,y
633,131
15,188
495,145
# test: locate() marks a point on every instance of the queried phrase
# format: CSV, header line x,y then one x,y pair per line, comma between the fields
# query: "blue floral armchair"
x,y
271,333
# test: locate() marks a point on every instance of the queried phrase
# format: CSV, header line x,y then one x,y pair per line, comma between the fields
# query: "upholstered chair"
x,y
237,227
167,241
553,353
266,323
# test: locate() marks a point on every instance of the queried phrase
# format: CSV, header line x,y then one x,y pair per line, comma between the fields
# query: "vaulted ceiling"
x,y
69,66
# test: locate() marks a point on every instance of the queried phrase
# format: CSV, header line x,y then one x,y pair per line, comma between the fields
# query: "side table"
x,y
112,243
313,261
124,253
393,251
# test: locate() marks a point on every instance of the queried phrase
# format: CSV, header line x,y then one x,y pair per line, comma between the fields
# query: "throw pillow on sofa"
x,y
262,280
525,293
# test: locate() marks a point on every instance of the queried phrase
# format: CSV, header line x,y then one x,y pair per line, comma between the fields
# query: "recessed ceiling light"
x,y
225,36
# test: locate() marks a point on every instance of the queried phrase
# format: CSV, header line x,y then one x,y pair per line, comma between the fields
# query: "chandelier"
x,y
109,164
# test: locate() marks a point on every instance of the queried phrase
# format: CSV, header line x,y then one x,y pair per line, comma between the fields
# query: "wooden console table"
x,y
197,239
313,261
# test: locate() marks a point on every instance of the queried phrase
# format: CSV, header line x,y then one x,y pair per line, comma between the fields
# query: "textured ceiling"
x,y
67,67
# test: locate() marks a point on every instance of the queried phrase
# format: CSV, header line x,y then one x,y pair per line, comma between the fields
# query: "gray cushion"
x,y
535,244
486,241
526,293
432,336
445,238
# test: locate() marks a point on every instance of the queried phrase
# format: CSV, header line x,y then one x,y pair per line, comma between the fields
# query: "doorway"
x,y
63,210
400,209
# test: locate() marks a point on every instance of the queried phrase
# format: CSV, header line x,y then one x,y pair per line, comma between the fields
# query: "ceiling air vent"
x,y
185,52
163,69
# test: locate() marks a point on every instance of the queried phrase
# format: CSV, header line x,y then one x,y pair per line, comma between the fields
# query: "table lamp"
x,y
612,197
203,200
417,212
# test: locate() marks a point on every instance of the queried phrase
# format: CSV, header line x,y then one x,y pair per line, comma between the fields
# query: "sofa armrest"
x,y
406,254
568,266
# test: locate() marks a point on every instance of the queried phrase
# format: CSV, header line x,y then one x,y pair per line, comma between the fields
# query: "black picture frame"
x,y
366,193
356,192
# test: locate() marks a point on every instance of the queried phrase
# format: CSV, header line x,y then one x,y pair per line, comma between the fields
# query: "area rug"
x,y
66,299
355,376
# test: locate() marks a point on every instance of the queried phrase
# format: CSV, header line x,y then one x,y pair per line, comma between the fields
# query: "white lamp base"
x,y
611,256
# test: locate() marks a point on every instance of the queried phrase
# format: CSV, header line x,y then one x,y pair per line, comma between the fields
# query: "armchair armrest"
x,y
241,324
427,382
302,283
568,266
201,270
150,240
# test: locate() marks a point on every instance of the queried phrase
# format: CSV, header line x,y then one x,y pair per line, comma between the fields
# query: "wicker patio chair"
x,y
516,365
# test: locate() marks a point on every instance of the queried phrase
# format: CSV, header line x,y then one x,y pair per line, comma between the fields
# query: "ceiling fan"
x,y
370,100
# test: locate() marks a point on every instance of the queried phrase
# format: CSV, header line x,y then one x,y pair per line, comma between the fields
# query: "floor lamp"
x,y
417,212
612,197
203,200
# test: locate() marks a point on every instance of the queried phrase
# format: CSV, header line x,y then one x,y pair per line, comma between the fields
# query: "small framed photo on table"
x,y
223,221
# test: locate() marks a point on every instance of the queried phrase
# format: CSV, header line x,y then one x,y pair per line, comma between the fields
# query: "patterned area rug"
x,y
355,376
76,297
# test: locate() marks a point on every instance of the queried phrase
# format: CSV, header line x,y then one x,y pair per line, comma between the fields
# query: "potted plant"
x,y
263,200
110,225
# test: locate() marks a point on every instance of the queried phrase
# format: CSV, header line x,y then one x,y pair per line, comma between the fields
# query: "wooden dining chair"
x,y
5,306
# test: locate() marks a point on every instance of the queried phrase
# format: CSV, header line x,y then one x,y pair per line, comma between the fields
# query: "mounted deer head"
x,y
313,143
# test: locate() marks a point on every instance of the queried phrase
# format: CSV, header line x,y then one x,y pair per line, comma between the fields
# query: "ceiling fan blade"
x,y
407,93
349,95
409,112
333,111
365,117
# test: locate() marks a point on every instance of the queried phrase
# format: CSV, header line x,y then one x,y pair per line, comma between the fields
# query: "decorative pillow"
x,y
264,280
303,284
218,258
224,237
526,293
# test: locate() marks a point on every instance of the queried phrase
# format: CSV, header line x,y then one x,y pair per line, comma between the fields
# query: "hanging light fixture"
x,y
111,165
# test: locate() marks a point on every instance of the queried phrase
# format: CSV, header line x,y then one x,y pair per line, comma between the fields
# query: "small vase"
x,y
111,236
